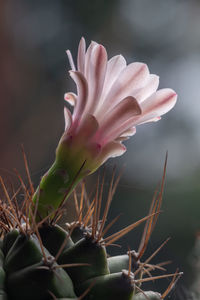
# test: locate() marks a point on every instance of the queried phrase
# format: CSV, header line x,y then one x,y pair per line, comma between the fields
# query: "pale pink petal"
x,y
114,67
98,64
130,132
71,61
70,98
88,57
112,149
81,56
68,119
131,78
82,89
150,87
156,119
126,134
87,129
122,139
157,105
112,121
116,132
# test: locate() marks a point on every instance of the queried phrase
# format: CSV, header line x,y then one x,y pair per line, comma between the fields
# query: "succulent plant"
x,y
41,260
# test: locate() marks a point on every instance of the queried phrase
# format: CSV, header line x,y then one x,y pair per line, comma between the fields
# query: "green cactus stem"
x,y
24,252
109,287
87,251
121,262
38,281
54,237
56,185
9,240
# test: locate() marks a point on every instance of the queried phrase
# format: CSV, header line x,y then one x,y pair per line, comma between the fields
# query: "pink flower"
x,y
112,98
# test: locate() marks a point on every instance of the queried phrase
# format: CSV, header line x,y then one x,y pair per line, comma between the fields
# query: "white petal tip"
x,y
70,98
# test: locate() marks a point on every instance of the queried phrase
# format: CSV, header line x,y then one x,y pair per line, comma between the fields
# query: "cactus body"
x,y
46,262
29,266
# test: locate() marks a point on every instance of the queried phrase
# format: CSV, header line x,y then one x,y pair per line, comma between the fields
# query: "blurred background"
x,y
34,77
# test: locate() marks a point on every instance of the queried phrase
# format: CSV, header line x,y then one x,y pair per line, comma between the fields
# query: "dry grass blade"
x,y
155,206
13,215
162,187
149,259
35,205
76,202
108,202
157,277
27,171
114,237
27,203
4,226
88,214
94,217
81,202
112,189
5,219
148,227
158,266
101,194
15,203
110,225
172,284
154,267
146,271
22,183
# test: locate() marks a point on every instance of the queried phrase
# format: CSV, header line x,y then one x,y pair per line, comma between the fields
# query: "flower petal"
x,y
147,90
97,71
112,149
114,67
70,98
88,57
82,89
157,105
68,119
156,119
113,120
87,129
133,77
81,56
71,61
129,132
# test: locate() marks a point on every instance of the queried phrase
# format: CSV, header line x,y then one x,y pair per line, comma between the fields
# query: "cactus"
x,y
39,259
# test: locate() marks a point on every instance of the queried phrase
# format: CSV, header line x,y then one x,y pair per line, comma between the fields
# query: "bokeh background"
x,y
34,77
